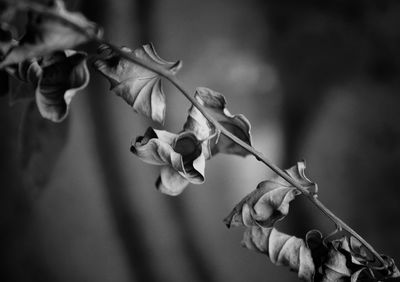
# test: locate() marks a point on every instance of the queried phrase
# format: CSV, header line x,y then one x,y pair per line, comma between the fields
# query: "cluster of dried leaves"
x,y
51,73
314,258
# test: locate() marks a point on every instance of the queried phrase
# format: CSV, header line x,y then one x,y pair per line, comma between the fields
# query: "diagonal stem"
x,y
23,5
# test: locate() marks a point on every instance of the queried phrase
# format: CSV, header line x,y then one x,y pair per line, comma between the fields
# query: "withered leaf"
x,y
335,268
180,154
270,201
282,249
63,74
139,87
55,79
346,259
215,103
41,143
46,34
363,274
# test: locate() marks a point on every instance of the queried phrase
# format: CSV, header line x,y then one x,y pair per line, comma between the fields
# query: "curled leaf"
x,y
196,141
215,103
55,79
139,87
282,249
46,33
180,154
63,75
363,274
335,267
270,201
346,259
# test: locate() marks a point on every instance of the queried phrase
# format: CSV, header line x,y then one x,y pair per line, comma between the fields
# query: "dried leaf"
x,y
270,201
55,80
392,271
335,268
138,86
363,274
181,154
282,249
215,103
346,259
63,75
41,143
46,34
6,43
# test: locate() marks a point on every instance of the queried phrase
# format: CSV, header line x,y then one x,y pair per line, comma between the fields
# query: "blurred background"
x,y
319,81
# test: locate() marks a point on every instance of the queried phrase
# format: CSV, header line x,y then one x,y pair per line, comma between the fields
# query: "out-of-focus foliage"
x,y
46,33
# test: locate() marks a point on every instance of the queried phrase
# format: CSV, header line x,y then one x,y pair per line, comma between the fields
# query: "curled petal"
x,y
215,103
182,153
63,75
270,201
46,34
282,249
139,87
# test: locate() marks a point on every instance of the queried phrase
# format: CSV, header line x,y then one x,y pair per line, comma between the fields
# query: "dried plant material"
x,y
63,75
55,80
46,33
196,142
180,154
281,249
140,87
346,259
270,201
238,125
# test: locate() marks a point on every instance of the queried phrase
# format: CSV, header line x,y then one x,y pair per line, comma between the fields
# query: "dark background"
x,y
319,81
